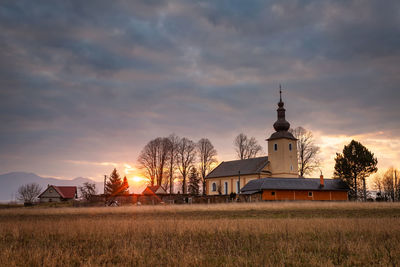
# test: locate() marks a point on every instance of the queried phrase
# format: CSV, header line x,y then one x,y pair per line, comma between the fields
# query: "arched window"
x,y
290,147
276,147
214,187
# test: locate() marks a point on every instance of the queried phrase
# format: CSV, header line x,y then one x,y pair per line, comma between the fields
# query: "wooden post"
x,y
239,184
104,191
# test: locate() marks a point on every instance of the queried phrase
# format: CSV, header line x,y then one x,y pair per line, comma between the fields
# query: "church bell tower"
x,y
282,147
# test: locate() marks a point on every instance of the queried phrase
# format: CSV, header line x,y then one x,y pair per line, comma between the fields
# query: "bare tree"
x,y
240,145
148,161
173,147
186,156
152,159
207,155
27,193
163,151
377,184
307,151
87,190
390,184
246,148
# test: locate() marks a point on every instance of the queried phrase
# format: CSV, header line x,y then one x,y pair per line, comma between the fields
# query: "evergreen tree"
x,y
114,184
125,187
194,181
355,164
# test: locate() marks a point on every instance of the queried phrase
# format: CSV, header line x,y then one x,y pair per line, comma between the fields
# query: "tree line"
x,y
163,157
388,185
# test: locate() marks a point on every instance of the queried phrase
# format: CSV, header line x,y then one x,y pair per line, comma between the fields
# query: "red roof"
x,y
66,191
150,190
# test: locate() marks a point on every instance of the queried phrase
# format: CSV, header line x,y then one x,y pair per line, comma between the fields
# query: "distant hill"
x,y
10,182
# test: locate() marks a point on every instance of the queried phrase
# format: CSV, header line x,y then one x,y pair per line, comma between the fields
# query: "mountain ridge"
x,y
9,183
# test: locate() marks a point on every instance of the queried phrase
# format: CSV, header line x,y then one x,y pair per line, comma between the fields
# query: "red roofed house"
x,y
58,193
153,190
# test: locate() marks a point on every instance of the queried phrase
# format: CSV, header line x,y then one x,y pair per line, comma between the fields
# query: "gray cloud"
x,y
95,80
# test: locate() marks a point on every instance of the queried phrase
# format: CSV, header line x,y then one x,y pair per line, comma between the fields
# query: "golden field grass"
x,y
245,234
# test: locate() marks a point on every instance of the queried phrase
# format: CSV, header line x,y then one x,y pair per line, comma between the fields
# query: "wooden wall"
x,y
303,195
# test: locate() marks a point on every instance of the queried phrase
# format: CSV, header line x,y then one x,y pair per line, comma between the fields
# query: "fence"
x,y
138,199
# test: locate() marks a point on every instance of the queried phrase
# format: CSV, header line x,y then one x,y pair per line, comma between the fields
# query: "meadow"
x,y
243,234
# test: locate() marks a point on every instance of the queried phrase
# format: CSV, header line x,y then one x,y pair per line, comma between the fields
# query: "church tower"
x,y
282,147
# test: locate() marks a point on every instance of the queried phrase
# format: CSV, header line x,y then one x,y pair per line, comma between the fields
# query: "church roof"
x,y
245,166
282,134
258,185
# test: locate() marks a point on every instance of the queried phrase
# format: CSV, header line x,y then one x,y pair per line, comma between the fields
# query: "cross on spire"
x,y
281,124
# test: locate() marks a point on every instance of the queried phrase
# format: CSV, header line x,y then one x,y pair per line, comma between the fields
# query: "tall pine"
x,y
125,187
194,181
114,184
353,166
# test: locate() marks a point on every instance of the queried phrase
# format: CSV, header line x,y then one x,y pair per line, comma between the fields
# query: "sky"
x,y
84,85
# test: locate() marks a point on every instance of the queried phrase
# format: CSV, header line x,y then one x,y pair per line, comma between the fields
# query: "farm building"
x,y
153,190
276,176
297,189
58,193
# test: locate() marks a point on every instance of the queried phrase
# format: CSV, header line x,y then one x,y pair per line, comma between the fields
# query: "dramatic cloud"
x,y
87,83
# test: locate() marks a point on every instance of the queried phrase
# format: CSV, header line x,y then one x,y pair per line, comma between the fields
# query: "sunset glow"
x,y
138,179
128,169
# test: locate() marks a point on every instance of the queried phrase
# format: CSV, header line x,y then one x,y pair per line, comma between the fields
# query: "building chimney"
x,y
321,181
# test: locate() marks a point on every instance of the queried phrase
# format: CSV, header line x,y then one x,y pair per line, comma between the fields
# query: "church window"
x,y
226,188
291,167
214,187
290,147
237,187
272,193
310,194
276,147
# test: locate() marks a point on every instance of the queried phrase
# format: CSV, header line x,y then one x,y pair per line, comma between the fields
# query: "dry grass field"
x,y
256,234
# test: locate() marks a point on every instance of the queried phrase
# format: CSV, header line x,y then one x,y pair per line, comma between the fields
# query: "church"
x,y
274,177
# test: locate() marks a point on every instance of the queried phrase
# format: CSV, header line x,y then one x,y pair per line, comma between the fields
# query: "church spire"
x,y
281,124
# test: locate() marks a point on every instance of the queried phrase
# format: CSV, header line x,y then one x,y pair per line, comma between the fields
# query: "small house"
x,y
153,190
58,193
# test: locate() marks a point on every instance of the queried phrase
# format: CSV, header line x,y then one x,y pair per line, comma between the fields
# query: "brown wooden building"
x,y
297,189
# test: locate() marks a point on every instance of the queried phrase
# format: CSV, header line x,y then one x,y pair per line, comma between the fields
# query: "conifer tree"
x,y
194,181
114,184
125,186
355,164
